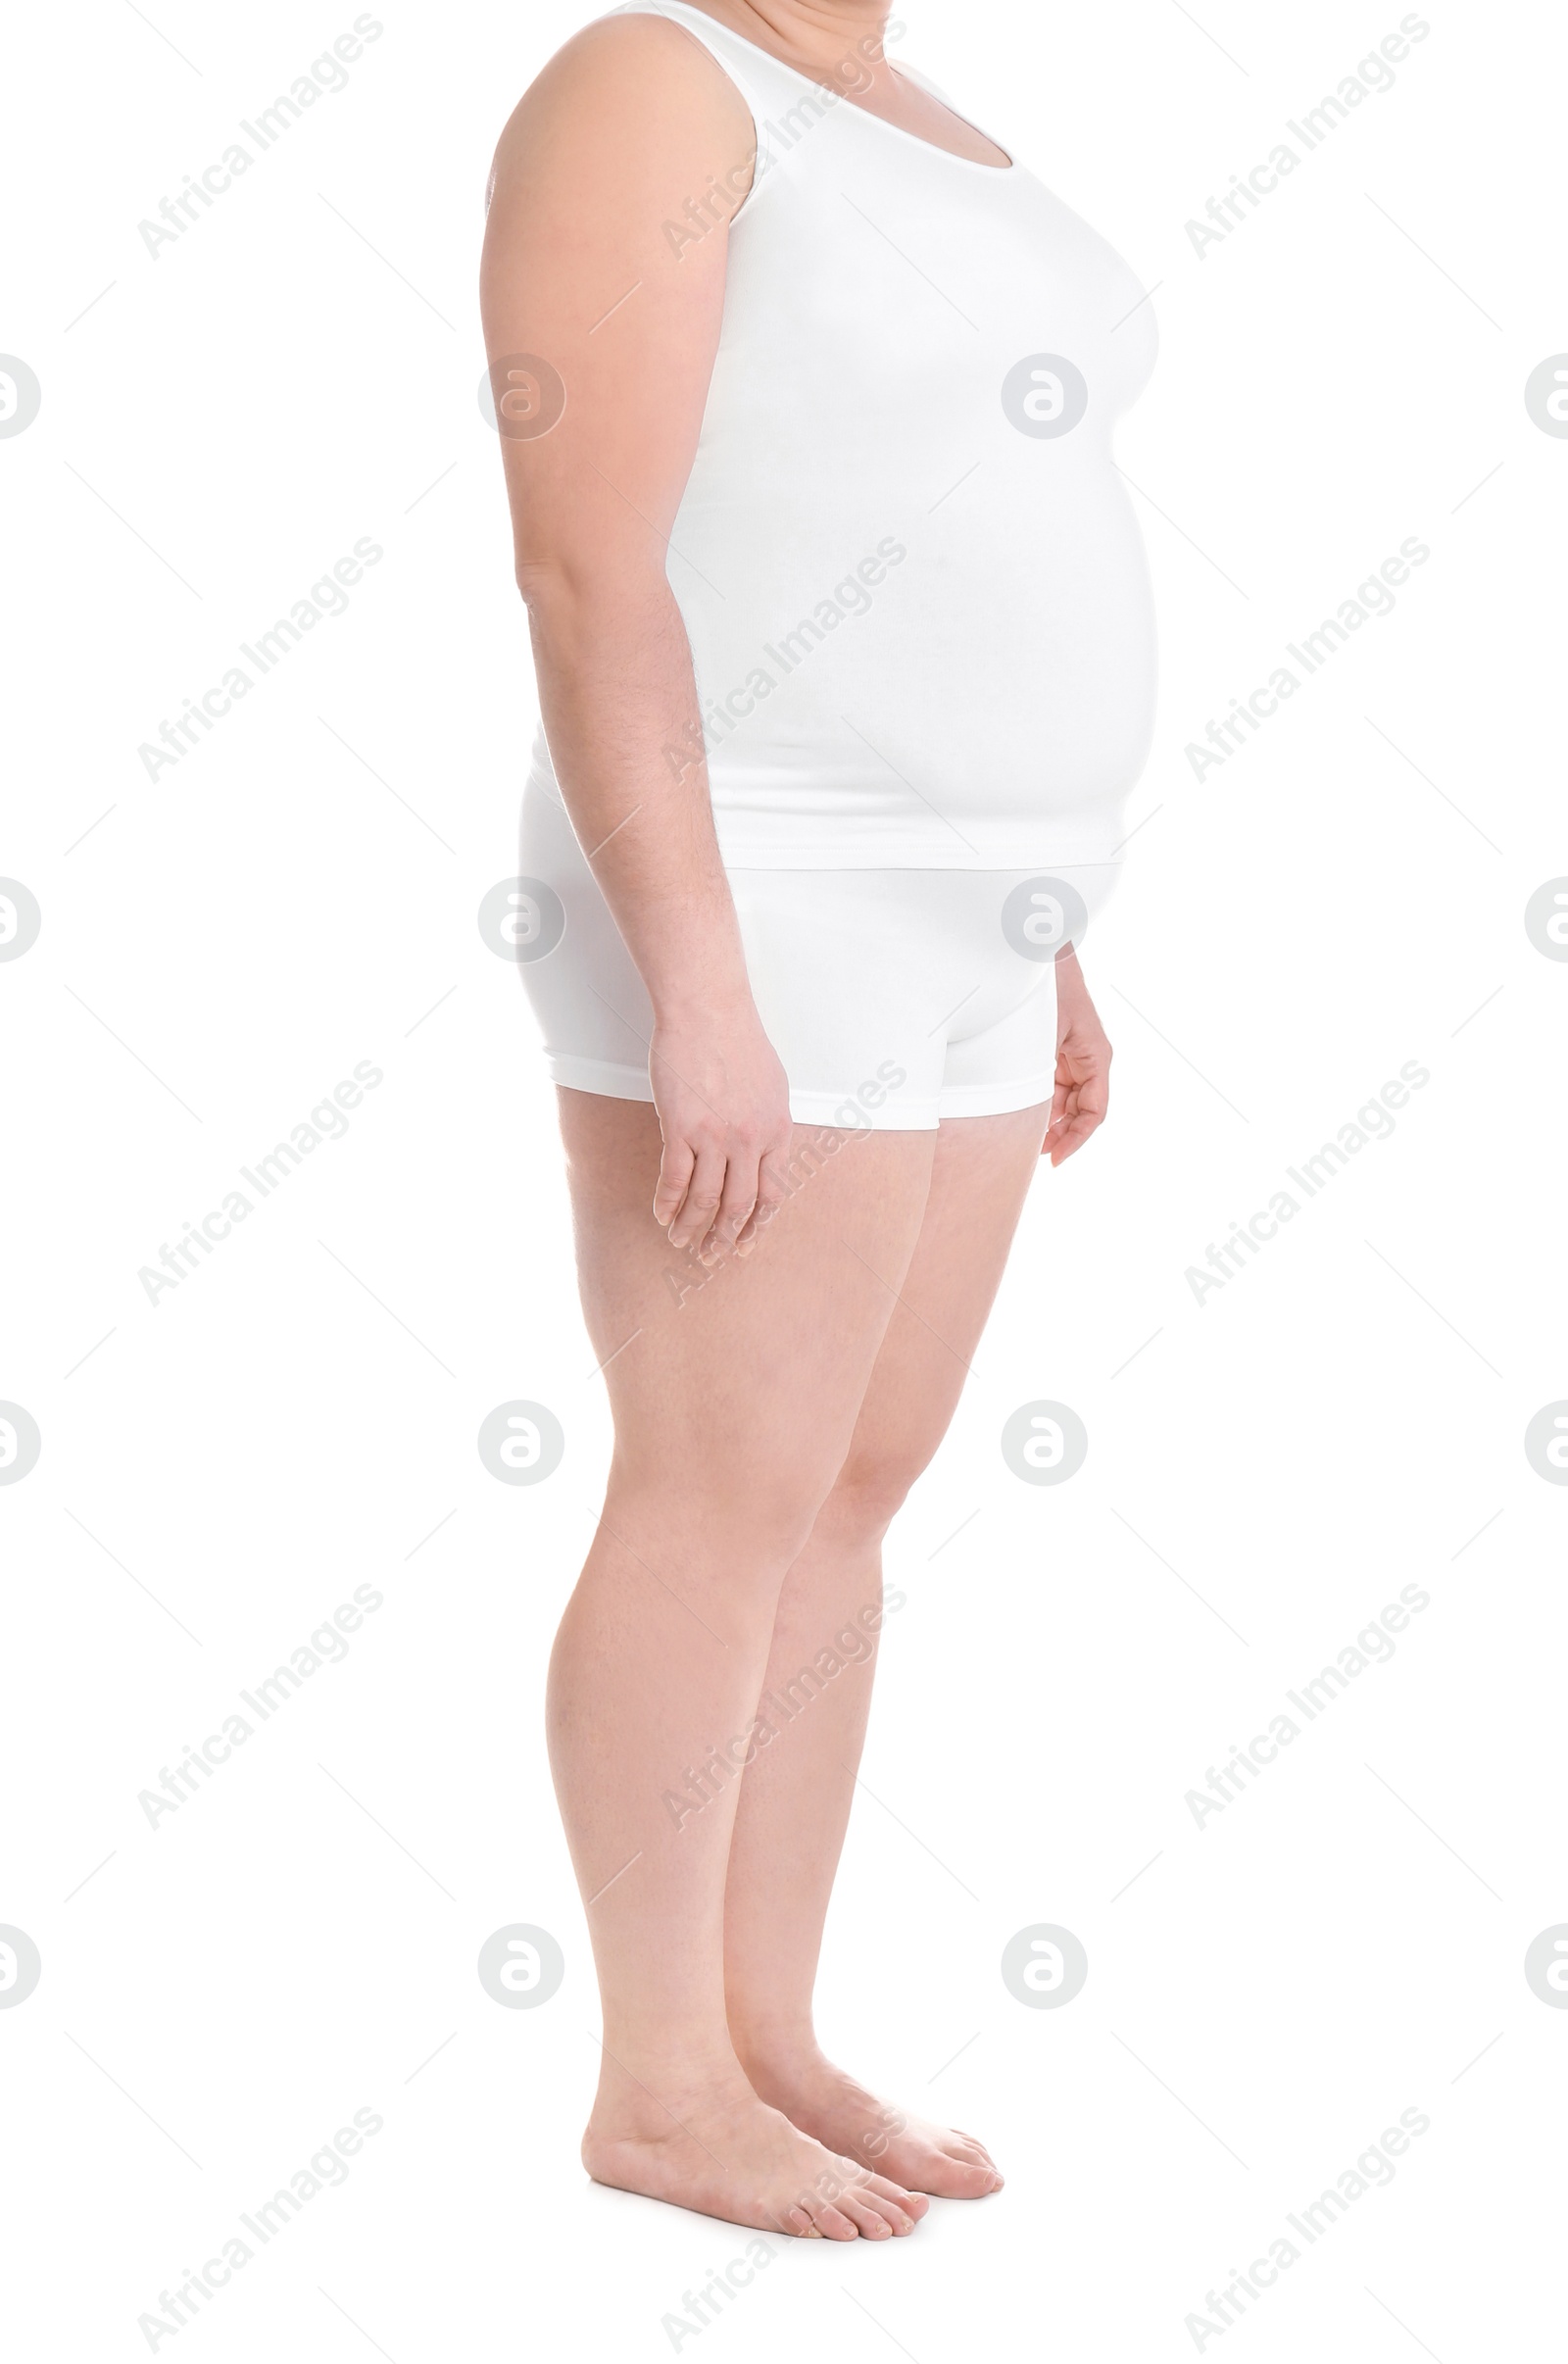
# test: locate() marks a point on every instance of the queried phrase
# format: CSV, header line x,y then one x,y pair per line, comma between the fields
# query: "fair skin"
x,y
785,1316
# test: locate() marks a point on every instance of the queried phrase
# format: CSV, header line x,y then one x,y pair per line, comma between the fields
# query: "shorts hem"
x,y
843,1113
889,853
836,1112
603,1076
997,1098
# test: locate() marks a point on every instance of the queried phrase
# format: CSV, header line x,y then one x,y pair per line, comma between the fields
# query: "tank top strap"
x,y
763,82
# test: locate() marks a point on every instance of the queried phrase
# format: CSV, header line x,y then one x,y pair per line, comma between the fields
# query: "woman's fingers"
x,y
722,1102
694,1218
771,1196
738,1198
1081,1123
1080,1101
674,1173
716,1196
1082,1090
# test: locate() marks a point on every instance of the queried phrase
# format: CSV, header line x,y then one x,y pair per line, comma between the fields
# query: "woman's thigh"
x,y
742,1380
981,1174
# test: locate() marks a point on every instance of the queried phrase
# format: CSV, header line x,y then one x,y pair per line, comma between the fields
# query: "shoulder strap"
x,y
720,44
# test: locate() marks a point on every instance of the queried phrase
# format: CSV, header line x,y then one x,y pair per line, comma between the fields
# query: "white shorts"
x,y
893,998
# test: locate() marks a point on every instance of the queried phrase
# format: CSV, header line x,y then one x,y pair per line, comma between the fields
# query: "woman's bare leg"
x,y
734,1402
795,1804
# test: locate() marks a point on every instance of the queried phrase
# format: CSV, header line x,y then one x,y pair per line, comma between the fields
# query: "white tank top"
x,y
911,575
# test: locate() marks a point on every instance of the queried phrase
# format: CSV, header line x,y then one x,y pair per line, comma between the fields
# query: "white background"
x,y
1266,1469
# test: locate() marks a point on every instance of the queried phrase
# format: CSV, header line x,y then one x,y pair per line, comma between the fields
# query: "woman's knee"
x,y
871,1490
742,1515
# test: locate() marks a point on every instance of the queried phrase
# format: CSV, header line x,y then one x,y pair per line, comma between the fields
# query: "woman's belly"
x,y
933,694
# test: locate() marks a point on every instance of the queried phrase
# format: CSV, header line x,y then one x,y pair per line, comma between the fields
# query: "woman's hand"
x,y
1083,1064
723,1105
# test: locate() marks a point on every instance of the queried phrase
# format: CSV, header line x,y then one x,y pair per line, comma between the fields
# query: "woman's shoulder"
x,y
641,59
629,92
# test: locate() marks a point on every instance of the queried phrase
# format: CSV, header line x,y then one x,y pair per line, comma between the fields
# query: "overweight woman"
x,y
841,625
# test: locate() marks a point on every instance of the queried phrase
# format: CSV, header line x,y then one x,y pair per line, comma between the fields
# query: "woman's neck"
x,y
834,41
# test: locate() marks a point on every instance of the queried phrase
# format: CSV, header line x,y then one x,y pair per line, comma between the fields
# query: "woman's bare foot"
x,y
822,2100
722,2151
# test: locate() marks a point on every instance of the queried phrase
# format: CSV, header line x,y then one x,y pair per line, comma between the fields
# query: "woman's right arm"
x,y
630,138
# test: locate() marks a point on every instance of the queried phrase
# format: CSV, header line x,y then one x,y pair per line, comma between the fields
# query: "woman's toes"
x,y
895,2200
834,2225
909,2204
